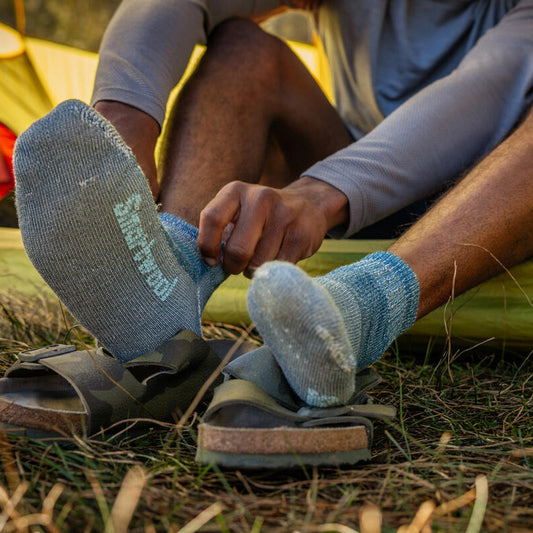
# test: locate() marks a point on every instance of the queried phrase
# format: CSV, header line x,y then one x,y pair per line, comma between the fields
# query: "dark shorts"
x,y
394,225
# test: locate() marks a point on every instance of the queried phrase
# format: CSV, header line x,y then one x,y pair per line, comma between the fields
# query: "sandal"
x,y
59,391
247,427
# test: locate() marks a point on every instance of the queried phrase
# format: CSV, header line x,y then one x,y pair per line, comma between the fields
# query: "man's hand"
x,y
139,131
260,223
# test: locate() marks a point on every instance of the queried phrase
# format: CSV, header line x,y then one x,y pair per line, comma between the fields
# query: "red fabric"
x,y
7,143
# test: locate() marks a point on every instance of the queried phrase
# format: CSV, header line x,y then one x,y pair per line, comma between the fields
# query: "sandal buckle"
x,y
31,356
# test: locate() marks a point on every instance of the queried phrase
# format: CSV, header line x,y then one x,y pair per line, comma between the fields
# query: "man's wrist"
x,y
330,201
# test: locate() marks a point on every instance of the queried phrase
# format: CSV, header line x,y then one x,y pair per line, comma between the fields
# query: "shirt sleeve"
x,y
442,130
147,46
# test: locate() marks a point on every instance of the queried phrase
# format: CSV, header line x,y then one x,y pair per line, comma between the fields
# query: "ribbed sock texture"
x,y
322,330
90,227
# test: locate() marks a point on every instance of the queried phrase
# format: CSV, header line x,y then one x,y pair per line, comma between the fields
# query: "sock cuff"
x,y
387,292
188,253
182,238
400,280
172,224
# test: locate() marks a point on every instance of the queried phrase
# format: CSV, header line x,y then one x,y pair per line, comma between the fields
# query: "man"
x,y
255,156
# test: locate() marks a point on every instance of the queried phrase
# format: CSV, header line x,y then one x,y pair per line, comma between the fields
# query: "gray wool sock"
x,y
90,227
322,330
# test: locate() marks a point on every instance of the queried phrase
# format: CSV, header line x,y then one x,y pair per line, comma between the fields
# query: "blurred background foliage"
x,y
79,23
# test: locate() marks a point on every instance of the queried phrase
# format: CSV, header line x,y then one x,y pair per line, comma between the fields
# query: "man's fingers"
x,y
228,230
214,219
267,249
247,232
282,244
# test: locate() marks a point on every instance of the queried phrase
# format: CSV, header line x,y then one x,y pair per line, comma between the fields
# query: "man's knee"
x,y
249,48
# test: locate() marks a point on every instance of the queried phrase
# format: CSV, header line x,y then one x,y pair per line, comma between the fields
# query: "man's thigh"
x,y
305,126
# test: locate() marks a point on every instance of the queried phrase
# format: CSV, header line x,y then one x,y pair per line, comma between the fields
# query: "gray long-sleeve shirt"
x,y
426,86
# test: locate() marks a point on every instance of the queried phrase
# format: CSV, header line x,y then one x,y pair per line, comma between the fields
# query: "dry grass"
x,y
463,434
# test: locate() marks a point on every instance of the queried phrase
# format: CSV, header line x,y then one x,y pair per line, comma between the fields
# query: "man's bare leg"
x,y
484,222
251,112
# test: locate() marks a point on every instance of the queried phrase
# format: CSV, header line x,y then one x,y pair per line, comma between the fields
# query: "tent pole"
x,y
20,16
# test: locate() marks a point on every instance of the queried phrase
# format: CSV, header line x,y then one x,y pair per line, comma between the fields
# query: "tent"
x,y
7,143
35,75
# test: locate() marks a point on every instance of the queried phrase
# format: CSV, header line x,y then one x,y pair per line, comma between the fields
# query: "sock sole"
x,y
90,227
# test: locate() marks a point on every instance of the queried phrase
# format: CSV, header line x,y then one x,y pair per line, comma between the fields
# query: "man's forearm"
x,y
479,228
441,131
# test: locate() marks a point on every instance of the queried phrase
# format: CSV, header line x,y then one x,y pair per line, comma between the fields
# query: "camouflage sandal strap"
x,y
184,350
241,393
108,391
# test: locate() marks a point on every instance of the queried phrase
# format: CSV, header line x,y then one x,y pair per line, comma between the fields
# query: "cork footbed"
x,y
46,403
53,421
281,440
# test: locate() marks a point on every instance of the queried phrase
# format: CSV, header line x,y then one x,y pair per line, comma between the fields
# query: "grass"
x,y
459,424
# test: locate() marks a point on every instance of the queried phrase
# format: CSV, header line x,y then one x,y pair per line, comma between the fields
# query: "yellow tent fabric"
x,y
65,72
23,99
499,310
